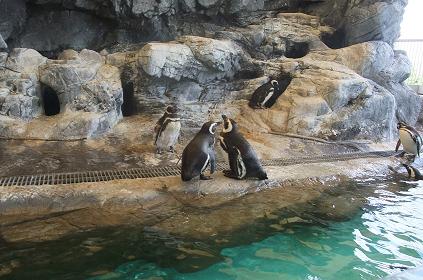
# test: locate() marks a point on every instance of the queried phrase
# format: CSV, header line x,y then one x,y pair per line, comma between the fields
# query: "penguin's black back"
x,y
259,95
283,82
194,156
249,156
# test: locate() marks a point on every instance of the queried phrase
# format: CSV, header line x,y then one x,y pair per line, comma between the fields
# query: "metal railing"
x,y
414,49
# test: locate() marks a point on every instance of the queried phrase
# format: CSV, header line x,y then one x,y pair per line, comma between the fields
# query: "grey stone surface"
x,y
12,17
361,21
355,92
3,44
66,29
89,92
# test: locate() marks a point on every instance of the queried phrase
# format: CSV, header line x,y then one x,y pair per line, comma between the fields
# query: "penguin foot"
x,y
232,176
255,106
171,149
204,177
158,151
227,172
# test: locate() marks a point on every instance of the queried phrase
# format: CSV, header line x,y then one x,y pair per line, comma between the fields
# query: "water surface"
x,y
380,234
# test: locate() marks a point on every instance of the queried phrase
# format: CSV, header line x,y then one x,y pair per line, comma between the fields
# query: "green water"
x,y
385,237
378,232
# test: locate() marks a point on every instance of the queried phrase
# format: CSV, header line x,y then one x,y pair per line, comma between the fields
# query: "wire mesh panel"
x,y
414,50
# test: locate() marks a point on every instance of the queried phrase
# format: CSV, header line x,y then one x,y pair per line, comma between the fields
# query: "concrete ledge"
x,y
49,212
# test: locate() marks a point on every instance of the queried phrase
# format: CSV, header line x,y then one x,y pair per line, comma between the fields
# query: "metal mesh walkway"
x,y
137,173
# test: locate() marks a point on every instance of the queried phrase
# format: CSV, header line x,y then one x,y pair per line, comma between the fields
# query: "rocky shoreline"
x,y
26,212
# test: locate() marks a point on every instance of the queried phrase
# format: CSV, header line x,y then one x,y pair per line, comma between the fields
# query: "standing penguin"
x,y
413,173
243,160
167,130
266,95
199,153
410,139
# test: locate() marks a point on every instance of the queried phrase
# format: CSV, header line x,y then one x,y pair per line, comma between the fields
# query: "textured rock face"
x,y
88,91
362,20
19,85
344,93
93,24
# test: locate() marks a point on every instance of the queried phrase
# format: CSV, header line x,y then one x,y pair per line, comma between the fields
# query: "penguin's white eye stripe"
x,y
211,127
173,119
229,129
274,82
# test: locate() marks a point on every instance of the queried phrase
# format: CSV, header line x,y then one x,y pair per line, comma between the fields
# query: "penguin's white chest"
x,y
169,135
407,142
268,96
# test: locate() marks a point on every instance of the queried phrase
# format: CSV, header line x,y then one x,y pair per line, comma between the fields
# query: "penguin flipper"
x,y
212,163
223,144
398,144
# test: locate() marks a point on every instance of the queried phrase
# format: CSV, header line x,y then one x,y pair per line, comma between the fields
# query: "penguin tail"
x,y
252,104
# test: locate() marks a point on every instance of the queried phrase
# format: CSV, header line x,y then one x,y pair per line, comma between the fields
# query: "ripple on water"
x,y
386,237
352,231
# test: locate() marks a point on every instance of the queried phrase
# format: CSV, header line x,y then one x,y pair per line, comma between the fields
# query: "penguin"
x,y
167,130
266,95
283,82
409,138
243,161
263,93
200,153
413,173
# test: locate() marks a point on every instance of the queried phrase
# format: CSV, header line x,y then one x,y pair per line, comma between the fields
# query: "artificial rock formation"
x,y
211,57
88,93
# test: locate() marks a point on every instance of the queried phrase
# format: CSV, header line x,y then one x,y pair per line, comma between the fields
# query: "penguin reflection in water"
x,y
200,153
266,95
167,130
243,161
410,140
413,173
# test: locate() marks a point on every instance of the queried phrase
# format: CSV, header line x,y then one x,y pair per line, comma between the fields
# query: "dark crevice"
x,y
297,49
129,106
51,102
335,40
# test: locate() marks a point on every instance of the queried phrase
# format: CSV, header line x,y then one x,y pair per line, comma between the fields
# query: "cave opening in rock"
x,y
335,40
129,106
51,102
297,49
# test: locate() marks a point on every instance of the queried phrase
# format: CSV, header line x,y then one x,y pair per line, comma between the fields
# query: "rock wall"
x,y
88,90
208,57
